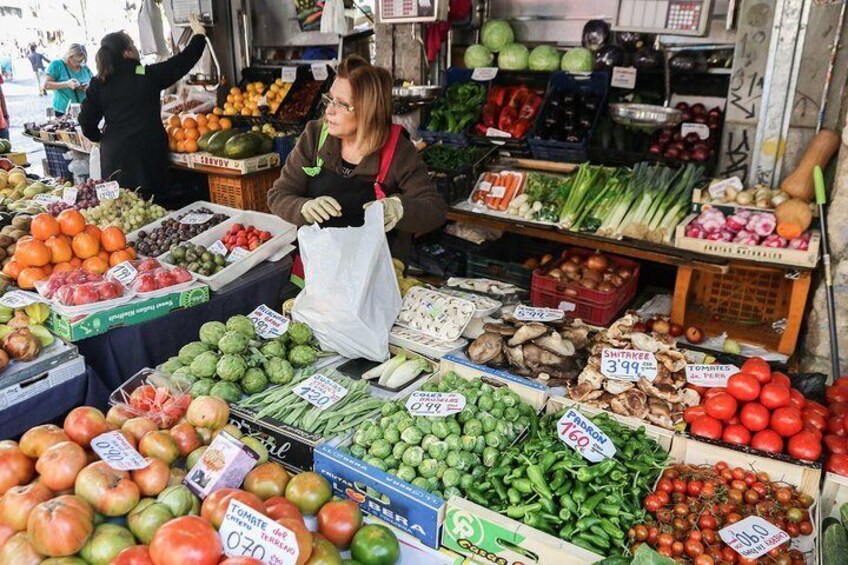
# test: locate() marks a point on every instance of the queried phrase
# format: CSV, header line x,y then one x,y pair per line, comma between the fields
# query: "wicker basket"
x,y
247,192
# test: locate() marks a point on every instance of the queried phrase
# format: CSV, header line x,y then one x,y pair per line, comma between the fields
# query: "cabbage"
x,y
544,58
578,60
496,34
513,57
478,56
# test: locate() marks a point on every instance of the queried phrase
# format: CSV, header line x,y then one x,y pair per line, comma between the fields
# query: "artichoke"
x,y
299,333
231,368
279,371
241,324
204,365
302,356
233,342
212,332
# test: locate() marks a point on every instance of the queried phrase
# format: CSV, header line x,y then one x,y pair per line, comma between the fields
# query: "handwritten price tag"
x,y
114,449
195,218
107,190
628,364
321,392
567,306
495,132
484,186
19,299
236,254
45,199
753,537
718,189
709,376
269,324
319,71
702,130
218,247
484,73
623,77
498,191
245,532
534,314
434,404
289,74
581,435
124,272
69,194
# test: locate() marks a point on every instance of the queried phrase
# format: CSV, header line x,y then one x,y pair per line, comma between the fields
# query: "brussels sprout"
x,y
203,366
226,390
424,425
450,492
231,368
432,483
478,472
454,442
279,371
489,422
413,456
380,448
466,482
490,456
485,402
412,435
451,477
421,483
302,356
438,450
479,444
233,343
454,427
473,427
360,439
441,470
440,428
202,387
391,434
406,473
358,451
274,349
469,460
492,439
404,422
373,433
398,449
299,333
212,332
191,350
454,460
375,462
388,409
253,381
241,324
391,463
468,443
171,365
497,412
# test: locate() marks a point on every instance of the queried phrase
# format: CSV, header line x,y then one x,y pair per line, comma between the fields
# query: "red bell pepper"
x,y
507,119
530,107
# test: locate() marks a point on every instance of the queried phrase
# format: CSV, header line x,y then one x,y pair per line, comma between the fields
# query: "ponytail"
x,y
111,53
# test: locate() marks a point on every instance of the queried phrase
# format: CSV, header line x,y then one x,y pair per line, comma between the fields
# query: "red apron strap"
x,y
387,154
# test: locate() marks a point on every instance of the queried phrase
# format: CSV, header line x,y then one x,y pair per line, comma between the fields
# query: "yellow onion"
x,y
21,345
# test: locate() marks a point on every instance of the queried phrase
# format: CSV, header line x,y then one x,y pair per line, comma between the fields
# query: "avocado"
x,y
242,146
203,142
217,141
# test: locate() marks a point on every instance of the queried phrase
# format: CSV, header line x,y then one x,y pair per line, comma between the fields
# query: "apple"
x,y
649,325
694,334
675,330
662,326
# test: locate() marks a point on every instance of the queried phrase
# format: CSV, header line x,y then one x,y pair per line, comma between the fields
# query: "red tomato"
x,y
693,413
338,521
713,391
187,539
841,381
133,555
707,427
736,434
814,406
797,399
281,507
781,379
835,425
733,421
814,419
786,421
743,387
837,463
767,440
240,561
836,444
814,431
774,396
721,406
757,368
755,416
834,394
805,445
838,408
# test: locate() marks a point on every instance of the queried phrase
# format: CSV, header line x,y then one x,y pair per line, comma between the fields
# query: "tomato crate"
x,y
247,192
592,306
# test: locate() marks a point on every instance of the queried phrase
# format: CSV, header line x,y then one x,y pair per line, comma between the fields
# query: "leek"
x,y
406,373
385,368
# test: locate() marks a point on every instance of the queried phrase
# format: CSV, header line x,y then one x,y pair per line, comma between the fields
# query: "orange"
x,y
27,277
76,262
190,146
174,121
179,134
131,251
202,129
172,145
12,269
217,111
85,246
103,255
226,123
189,123
62,267
235,90
214,126
192,134
181,147
113,239
119,257
48,269
32,253
201,120
231,99
246,111
60,249
95,265
213,117
71,222
44,226
93,231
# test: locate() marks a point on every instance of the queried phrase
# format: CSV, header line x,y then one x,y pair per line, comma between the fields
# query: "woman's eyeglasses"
x,y
328,102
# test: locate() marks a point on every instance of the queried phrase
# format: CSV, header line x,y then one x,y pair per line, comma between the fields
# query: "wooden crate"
x,y
744,303
247,192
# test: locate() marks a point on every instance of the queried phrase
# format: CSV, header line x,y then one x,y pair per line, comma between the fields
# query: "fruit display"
x,y
300,102
672,144
15,185
231,359
153,275
172,231
246,237
185,130
86,198
156,398
56,492
22,333
759,408
458,109
235,144
129,212
78,287
65,244
5,146
256,99
510,109
497,190
747,227
692,503
9,237
197,259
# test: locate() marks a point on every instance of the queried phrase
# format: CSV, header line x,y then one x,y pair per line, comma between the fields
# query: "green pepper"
x,y
476,496
516,512
536,521
501,471
579,494
588,474
500,489
586,523
548,504
566,531
608,509
587,508
523,486
566,487
558,480
610,529
513,495
548,459
594,540
585,544
566,501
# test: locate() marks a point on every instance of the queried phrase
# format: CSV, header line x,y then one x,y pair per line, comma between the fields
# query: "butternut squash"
x,y
799,183
793,218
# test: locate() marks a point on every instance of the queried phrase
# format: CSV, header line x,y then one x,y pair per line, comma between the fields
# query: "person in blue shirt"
x,y
68,78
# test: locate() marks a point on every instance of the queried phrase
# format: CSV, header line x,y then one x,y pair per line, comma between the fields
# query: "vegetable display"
x,y
298,105
458,108
398,371
745,227
569,117
672,144
510,109
836,434
443,157
173,232
497,190
594,272
835,538
758,196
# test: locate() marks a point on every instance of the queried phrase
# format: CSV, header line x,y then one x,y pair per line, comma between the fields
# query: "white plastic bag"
x,y
333,18
351,298
94,163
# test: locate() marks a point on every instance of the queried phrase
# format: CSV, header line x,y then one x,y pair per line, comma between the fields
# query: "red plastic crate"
x,y
591,306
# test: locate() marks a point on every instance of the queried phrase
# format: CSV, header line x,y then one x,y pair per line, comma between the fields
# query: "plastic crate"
x,y
247,192
504,261
304,76
455,185
596,83
592,306
57,165
454,75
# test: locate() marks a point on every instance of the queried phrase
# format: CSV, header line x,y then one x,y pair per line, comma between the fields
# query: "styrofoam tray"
x,y
423,344
72,311
483,304
434,304
216,208
168,289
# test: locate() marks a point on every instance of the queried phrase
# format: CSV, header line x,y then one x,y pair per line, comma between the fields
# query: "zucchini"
x,y
835,546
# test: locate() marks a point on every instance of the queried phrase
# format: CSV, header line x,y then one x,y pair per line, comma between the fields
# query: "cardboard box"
x,y
17,157
243,166
134,312
289,446
459,363
33,386
184,159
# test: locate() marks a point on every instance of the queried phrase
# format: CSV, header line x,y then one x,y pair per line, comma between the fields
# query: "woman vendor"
x,y
355,156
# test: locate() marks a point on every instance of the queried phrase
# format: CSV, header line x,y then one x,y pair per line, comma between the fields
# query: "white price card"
x,y
484,186
320,391
435,404
319,71
628,364
45,199
753,537
219,248
495,132
498,191
567,306
484,73
236,254
107,190
114,449
268,324
289,74
19,299
245,532
195,218
69,194
702,130
581,435
124,273
537,314
709,376
718,189
623,77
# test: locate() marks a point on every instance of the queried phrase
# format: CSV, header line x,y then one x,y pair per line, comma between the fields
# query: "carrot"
x,y
504,182
488,198
511,189
480,196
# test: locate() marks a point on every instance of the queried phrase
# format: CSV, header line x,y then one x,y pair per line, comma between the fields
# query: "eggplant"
x,y
630,40
596,34
682,62
647,59
609,56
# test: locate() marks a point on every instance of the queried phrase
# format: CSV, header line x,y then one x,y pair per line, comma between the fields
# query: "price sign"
x,y
567,306
19,299
289,74
263,101
218,247
623,77
702,130
319,71
236,254
114,449
495,132
709,376
718,189
484,73
320,391
484,186
628,364
45,199
498,191
245,532
268,324
69,194
195,218
107,190
753,537
581,435
534,314
435,404
124,272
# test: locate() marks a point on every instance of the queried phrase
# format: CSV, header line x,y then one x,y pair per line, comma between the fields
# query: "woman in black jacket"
x,y
126,94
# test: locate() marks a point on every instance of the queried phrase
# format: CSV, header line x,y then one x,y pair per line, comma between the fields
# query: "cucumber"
x,y
835,546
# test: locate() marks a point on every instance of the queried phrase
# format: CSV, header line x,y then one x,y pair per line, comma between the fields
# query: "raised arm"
x,y
168,72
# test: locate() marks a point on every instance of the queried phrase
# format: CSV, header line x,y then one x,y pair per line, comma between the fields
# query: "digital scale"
x,y
676,17
182,9
411,11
